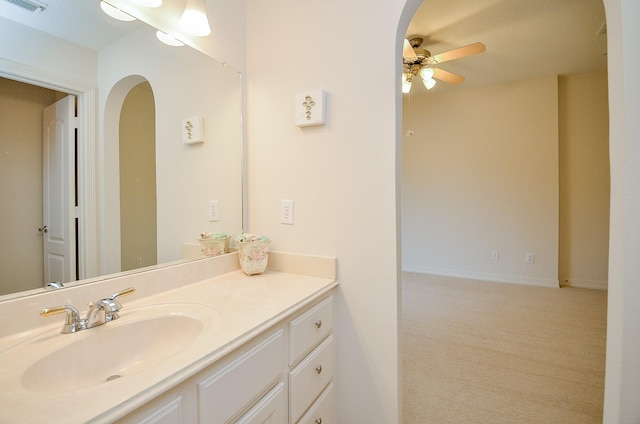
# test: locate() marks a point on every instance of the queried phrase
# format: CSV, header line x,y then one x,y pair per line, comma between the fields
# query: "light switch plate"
x,y
311,108
193,130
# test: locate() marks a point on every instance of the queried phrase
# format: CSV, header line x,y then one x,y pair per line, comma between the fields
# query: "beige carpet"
x,y
479,352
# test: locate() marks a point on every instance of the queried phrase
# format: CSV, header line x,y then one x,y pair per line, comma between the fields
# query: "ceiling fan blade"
x,y
408,52
448,77
469,50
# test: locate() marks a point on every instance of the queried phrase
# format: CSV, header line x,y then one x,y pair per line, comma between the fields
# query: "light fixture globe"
x,y
168,39
194,20
406,82
426,73
429,83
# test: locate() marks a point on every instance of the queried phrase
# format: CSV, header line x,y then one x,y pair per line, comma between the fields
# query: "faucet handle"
x,y
72,321
124,292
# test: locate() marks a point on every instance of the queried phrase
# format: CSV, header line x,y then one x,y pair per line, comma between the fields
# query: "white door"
x,y
59,226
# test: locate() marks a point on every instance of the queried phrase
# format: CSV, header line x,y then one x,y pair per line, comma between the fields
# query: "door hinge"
x,y
77,212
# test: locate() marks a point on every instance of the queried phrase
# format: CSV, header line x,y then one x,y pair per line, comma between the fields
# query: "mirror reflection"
x,y
118,218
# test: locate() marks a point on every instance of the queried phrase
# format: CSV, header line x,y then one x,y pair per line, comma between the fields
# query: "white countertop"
x,y
245,307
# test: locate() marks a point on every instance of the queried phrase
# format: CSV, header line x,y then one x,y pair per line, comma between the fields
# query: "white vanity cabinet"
x,y
282,375
312,358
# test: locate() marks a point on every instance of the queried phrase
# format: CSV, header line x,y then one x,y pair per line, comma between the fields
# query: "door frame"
x,y
87,169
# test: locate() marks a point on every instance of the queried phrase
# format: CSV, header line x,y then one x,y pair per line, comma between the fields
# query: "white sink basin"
x,y
142,338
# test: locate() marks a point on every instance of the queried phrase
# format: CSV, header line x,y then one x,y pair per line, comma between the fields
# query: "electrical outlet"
x,y
495,255
213,211
286,212
530,258
138,260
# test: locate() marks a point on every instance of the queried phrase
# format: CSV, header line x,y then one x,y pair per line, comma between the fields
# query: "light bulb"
x,y
194,19
115,13
426,73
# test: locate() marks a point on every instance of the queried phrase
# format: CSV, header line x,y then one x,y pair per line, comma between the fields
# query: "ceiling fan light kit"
x,y
418,61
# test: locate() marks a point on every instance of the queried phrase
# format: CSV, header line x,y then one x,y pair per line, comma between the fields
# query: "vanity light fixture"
x,y
115,13
194,20
168,39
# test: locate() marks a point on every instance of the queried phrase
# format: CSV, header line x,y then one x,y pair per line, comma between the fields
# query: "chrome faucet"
x,y
100,312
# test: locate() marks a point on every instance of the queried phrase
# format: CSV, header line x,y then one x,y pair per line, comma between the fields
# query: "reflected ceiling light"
x,y
194,20
115,13
168,39
149,3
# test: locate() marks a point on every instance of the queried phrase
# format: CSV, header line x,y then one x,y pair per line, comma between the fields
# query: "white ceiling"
x,y
524,38
79,21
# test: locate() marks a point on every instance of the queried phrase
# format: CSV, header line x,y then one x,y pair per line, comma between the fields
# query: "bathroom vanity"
x,y
217,349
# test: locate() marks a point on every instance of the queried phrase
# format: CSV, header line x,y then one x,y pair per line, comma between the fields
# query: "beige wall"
x,y
21,105
342,176
584,180
475,180
138,214
480,174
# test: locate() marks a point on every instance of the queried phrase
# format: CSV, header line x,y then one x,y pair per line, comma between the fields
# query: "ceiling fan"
x,y
418,61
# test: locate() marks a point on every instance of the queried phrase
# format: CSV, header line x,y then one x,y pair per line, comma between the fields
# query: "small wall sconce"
x,y
193,130
310,108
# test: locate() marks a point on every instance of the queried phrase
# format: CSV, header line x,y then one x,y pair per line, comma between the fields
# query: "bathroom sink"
x,y
139,340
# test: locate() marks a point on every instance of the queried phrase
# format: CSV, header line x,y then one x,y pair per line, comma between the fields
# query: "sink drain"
x,y
113,377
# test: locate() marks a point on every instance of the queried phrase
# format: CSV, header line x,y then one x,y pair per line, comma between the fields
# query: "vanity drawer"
x,y
234,386
309,329
322,411
307,380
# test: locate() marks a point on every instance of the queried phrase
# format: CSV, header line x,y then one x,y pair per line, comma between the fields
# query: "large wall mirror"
x,y
102,75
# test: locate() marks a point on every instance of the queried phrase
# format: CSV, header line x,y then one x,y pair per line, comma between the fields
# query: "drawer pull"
x,y
319,369
318,323
319,421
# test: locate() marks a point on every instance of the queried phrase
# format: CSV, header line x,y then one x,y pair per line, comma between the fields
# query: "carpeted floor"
x,y
480,352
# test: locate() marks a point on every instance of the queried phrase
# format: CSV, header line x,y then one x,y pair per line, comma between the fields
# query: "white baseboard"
x,y
584,284
497,278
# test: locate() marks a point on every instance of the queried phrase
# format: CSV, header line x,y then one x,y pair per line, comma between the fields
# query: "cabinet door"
x,y
163,410
271,409
228,390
